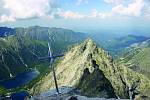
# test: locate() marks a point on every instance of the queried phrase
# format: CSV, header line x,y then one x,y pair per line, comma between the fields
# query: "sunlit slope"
x,y
89,69
137,57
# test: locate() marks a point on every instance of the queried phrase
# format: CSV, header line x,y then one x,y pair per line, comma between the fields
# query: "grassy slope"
x,y
17,57
138,60
11,50
137,57
116,46
3,91
28,44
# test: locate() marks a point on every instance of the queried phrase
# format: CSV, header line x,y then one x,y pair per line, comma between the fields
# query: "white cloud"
x,y
105,15
146,13
70,15
114,1
96,14
133,9
75,15
22,9
146,10
4,18
82,1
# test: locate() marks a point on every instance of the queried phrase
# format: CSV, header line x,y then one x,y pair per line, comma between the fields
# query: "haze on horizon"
x,y
120,16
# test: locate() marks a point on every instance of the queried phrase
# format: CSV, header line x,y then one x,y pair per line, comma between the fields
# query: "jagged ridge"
x,y
70,71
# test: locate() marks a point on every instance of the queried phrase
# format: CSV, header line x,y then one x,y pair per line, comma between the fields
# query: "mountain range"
x,y
106,68
19,50
5,31
116,45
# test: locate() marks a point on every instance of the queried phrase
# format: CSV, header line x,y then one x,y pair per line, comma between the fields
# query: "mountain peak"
x,y
89,42
81,65
91,70
88,45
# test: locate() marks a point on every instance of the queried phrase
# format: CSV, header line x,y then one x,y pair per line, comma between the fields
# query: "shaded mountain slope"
x,y
19,51
95,84
18,54
88,60
61,38
5,31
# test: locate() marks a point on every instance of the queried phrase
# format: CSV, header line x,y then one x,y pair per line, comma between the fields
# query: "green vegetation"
x,y
3,91
85,66
19,52
81,57
137,57
95,84
43,68
18,55
117,45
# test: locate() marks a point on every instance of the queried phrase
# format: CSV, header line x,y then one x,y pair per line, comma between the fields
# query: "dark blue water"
x,y
20,79
19,96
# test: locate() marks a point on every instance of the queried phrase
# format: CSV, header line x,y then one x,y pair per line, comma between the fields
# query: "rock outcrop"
x,y
92,70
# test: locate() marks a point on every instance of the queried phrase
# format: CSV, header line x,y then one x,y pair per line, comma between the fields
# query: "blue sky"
x,y
80,15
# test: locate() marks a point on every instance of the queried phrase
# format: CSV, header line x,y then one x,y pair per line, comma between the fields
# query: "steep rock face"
x,y
95,84
86,66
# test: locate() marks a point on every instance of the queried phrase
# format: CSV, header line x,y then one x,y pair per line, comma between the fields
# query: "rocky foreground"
x,y
70,97
66,93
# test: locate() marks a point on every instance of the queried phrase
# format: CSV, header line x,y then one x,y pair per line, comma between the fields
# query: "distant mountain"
x,y
4,31
93,72
137,57
61,38
116,45
102,38
19,52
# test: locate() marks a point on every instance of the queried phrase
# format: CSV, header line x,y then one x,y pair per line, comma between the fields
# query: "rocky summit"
x,y
92,71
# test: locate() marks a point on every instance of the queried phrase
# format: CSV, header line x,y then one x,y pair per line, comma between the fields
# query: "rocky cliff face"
x,y
92,70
